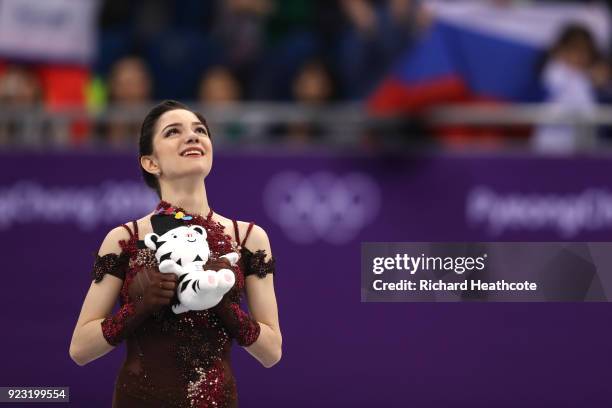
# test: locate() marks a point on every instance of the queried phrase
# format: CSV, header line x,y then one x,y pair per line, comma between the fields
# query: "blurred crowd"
x,y
261,46
311,52
221,52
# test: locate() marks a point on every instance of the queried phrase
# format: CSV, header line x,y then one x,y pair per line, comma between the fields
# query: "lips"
x,y
193,152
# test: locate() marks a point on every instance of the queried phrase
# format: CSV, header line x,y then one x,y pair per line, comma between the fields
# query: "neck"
x,y
187,193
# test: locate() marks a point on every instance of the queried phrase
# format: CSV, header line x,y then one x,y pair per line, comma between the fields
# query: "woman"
x,y
177,360
566,77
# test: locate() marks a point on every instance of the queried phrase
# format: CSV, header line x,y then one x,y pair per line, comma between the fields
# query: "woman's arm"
x,y
88,343
262,305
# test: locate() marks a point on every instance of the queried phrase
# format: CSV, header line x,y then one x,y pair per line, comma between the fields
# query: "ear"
x,y
152,241
149,164
199,229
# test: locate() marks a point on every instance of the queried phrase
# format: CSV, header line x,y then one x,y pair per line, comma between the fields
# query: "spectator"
x,y
130,82
239,32
313,84
312,88
218,86
567,81
378,31
130,89
20,93
19,87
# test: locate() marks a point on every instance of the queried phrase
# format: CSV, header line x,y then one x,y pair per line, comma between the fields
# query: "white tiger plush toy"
x,y
184,251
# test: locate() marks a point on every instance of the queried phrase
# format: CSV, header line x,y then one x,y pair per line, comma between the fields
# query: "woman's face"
x,y
181,145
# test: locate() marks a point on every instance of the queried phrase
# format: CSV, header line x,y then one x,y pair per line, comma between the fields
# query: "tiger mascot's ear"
x,y
199,229
152,241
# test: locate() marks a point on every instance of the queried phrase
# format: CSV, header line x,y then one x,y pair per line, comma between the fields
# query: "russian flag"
x,y
479,51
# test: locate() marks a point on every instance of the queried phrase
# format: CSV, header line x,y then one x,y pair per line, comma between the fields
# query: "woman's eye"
x,y
171,132
201,130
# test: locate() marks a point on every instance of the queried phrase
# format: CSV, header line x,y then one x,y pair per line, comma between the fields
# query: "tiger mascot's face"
x,y
183,245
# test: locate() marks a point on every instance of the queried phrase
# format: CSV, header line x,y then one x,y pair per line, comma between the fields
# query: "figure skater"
x,y
177,360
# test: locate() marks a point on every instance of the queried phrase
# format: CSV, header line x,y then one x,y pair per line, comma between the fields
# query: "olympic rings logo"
x,y
322,206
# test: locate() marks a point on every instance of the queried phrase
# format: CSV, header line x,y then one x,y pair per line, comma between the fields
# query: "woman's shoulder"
x,y
256,247
243,227
255,250
123,232
111,243
257,238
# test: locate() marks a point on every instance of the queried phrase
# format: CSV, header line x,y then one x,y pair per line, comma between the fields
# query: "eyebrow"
x,y
180,125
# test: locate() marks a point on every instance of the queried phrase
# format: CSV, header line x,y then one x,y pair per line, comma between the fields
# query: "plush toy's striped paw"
x,y
178,309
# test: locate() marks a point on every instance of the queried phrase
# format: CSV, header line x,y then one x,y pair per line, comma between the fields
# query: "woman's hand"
x,y
153,290
150,291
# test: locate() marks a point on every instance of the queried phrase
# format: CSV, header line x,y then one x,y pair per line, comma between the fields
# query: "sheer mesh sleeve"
x,y
112,264
124,322
255,263
237,322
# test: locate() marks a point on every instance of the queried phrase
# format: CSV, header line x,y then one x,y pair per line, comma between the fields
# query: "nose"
x,y
192,138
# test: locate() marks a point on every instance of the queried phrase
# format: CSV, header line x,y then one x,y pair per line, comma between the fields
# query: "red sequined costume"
x,y
179,360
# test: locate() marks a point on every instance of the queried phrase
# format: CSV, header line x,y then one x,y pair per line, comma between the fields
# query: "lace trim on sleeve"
x,y
112,264
114,328
255,264
239,324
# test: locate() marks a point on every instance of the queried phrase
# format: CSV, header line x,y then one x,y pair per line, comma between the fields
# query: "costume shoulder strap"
x,y
135,229
236,233
247,233
128,230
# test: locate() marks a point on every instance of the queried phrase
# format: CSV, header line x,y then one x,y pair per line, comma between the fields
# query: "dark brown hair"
x,y
147,131
574,36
